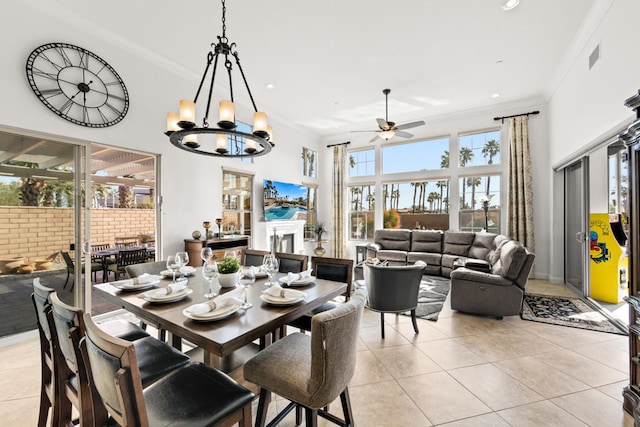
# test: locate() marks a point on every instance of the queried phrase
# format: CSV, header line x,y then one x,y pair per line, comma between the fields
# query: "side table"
x,y
361,253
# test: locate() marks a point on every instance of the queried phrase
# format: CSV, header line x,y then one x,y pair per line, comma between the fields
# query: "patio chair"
x,y
95,267
125,258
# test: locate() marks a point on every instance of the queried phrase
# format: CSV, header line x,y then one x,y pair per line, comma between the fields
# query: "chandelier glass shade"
x,y
225,140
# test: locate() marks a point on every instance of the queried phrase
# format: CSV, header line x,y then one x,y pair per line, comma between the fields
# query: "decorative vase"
x,y
319,250
196,235
228,280
10,265
25,269
210,234
42,263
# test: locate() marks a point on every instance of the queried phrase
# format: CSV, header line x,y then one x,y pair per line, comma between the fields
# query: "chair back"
x,y
253,257
41,298
291,263
393,288
336,269
334,342
113,369
130,257
68,261
155,267
99,247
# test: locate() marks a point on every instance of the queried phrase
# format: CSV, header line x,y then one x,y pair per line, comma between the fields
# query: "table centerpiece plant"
x,y
228,271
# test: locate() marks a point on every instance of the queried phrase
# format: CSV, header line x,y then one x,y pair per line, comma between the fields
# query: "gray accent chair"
x,y
497,293
155,267
394,289
311,370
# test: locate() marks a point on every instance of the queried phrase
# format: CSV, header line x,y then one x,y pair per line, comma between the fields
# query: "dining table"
x,y
220,339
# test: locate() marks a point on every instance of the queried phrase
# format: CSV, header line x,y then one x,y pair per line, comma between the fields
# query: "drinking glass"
x,y
270,263
246,278
173,266
206,253
231,253
182,258
210,272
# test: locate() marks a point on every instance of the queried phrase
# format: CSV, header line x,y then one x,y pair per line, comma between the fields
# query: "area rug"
x,y
433,292
572,312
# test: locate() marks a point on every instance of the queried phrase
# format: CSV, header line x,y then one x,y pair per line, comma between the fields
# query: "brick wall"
x,y
36,232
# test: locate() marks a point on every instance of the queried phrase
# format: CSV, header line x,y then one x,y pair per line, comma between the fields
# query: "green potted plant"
x,y
228,271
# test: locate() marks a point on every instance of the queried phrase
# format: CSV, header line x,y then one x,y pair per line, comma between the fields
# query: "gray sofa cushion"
x,y
426,241
494,253
394,257
512,258
394,239
482,245
457,242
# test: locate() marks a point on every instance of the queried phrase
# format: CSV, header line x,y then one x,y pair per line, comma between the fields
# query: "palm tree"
x,y
473,182
395,194
433,196
465,156
491,149
385,195
352,161
355,191
441,185
444,162
125,197
415,188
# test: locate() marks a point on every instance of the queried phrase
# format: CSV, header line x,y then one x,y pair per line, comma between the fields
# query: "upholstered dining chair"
x,y
155,267
124,258
312,370
253,257
292,263
95,267
394,289
194,394
336,269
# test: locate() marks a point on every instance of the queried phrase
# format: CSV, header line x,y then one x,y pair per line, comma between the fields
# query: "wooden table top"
x,y
224,336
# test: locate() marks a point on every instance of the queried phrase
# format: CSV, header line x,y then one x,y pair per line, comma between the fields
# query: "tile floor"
x,y
462,370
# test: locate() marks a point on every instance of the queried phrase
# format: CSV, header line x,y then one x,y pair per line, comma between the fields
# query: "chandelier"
x,y
225,140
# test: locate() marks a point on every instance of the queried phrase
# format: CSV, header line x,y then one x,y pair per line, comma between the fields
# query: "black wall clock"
x,y
77,85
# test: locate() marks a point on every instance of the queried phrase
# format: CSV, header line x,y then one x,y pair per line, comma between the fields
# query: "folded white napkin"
x,y
170,289
277,291
292,277
187,269
213,305
140,280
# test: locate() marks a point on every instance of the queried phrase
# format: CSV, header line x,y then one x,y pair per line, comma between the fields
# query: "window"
x,y
362,162
309,162
361,209
236,203
402,157
474,191
479,148
312,213
237,144
420,204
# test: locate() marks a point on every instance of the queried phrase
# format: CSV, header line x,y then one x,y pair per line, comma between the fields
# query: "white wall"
x,y
190,184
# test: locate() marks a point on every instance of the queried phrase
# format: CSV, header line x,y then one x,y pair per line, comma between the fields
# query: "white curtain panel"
x,y
338,203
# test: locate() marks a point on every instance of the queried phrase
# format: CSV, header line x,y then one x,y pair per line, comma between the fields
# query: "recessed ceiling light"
x,y
271,86
510,4
495,95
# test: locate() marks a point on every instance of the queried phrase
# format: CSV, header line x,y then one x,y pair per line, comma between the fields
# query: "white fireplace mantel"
x,y
265,229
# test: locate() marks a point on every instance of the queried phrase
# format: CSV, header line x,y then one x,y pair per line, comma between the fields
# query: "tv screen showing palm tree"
x,y
284,201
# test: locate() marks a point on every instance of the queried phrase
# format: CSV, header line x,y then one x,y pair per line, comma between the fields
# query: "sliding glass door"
x,y
575,226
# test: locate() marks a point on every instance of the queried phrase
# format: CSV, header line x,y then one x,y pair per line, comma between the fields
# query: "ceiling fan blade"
x,y
403,134
375,138
368,131
383,124
410,125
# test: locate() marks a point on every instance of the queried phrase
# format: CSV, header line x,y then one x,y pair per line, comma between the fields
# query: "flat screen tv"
x,y
284,201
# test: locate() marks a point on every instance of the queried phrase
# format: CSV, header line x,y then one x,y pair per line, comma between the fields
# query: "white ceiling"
x,y
329,60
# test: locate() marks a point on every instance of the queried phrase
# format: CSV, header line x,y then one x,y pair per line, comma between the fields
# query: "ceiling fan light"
x,y
510,4
387,134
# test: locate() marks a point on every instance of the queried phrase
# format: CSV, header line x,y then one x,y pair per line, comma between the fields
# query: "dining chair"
x,y
124,258
95,267
136,270
104,260
253,257
311,371
291,263
394,289
194,394
336,269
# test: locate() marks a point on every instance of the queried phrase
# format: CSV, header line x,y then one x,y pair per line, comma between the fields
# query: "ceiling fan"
x,y
389,129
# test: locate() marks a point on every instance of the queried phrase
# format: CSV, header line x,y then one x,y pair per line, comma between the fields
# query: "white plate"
x,y
300,282
217,314
270,299
168,274
125,285
261,274
172,297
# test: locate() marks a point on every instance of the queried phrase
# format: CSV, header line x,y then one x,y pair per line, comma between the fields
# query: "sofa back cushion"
x,y
482,244
512,258
395,239
494,254
426,241
457,242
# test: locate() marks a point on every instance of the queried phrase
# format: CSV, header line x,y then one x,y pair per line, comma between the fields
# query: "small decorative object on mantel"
x,y
320,230
196,235
206,225
219,224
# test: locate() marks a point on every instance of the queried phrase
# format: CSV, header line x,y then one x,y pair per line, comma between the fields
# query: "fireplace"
x,y
284,243
289,235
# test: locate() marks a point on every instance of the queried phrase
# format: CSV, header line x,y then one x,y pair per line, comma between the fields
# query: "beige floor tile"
x,y
385,405
486,420
368,370
20,383
494,387
615,390
607,354
20,412
466,324
582,368
595,408
441,398
372,337
543,287
541,377
538,414
427,332
449,354
567,337
405,361
506,344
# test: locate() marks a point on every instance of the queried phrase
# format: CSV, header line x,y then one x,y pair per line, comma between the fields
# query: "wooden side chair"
x,y
125,258
292,263
322,363
194,394
253,257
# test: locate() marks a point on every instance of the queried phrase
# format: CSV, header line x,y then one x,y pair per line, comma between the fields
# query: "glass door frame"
x,y
583,235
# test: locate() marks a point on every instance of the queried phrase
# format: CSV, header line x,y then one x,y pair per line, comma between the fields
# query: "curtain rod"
x,y
516,115
339,143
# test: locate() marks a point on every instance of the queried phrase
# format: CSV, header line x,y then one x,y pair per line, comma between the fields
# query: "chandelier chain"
x,y
224,21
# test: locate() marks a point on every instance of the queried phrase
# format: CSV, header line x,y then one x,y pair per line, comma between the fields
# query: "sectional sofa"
x,y
488,271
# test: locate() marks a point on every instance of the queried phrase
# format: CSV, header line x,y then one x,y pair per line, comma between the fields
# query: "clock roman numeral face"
x,y
77,85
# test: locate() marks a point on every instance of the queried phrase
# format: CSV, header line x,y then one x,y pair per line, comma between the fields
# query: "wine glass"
x,y
270,263
231,253
246,278
210,272
173,266
206,253
182,258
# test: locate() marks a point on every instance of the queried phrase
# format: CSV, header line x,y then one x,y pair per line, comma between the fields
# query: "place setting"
x,y
173,292
216,308
277,295
144,281
303,278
